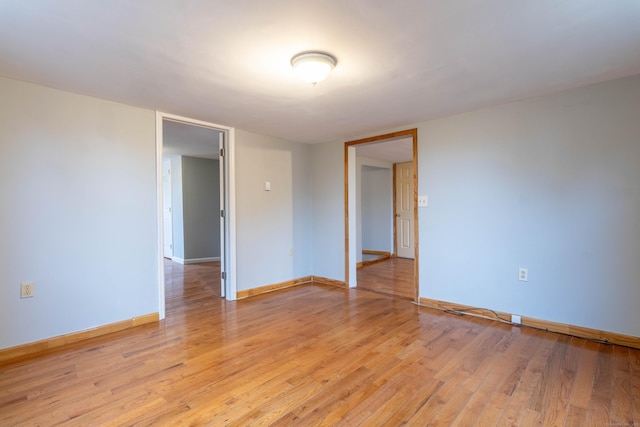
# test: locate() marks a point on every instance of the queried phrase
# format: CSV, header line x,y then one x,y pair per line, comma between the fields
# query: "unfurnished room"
x,y
320,213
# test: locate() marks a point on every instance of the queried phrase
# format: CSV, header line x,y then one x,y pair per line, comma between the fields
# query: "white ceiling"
x,y
398,62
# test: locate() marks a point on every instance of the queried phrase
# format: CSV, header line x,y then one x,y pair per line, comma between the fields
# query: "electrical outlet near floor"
x,y
515,318
26,289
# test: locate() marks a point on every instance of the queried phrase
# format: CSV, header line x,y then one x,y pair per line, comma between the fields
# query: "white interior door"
x,y
404,210
167,213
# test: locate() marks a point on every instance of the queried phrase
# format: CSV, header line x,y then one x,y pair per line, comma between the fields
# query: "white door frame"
x,y
222,147
230,215
167,229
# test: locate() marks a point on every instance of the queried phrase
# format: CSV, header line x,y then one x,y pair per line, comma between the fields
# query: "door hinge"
x,y
222,152
223,275
222,213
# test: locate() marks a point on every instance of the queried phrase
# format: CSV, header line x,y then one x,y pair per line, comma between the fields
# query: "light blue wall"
x,y
201,204
78,186
374,205
271,223
328,210
550,184
80,176
377,208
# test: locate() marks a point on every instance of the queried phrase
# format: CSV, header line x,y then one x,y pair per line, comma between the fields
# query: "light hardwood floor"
x,y
316,355
393,277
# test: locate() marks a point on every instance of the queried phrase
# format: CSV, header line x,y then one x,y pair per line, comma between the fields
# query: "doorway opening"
x,y
381,215
207,149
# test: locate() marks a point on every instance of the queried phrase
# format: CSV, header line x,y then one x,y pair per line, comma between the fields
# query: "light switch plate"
x,y
423,201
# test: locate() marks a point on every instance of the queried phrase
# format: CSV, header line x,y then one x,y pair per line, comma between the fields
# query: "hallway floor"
x,y
393,277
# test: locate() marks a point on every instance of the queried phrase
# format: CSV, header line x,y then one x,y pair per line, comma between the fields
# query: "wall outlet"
x,y
523,275
26,290
516,318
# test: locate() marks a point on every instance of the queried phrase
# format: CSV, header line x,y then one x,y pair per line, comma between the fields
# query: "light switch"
x,y
423,201
267,186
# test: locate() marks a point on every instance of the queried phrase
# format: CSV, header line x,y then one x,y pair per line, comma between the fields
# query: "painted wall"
x,y
195,186
78,187
84,235
272,224
549,183
377,208
201,204
374,205
328,210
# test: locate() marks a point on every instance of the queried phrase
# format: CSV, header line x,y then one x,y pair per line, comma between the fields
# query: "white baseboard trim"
x,y
194,260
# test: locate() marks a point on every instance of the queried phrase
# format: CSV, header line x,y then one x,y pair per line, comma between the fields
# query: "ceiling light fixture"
x,y
313,66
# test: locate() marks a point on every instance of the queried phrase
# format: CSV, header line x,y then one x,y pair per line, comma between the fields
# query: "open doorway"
x,y
191,193
381,214
206,231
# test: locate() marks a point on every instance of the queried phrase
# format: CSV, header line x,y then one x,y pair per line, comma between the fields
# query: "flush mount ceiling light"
x,y
313,66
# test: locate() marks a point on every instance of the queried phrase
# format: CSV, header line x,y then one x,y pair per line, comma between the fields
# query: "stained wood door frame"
x,y
349,177
230,214
395,225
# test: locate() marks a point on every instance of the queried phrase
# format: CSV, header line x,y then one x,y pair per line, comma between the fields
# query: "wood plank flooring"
x,y
393,276
316,355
